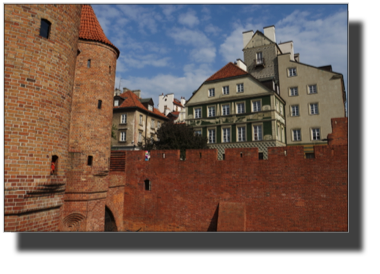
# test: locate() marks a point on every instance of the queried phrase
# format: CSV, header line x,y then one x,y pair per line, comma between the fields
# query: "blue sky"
x,y
174,48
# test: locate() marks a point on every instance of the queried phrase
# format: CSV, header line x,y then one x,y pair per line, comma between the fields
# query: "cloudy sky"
x,y
174,48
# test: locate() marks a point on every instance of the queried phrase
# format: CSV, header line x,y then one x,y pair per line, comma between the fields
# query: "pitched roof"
x,y
177,102
90,28
132,100
229,70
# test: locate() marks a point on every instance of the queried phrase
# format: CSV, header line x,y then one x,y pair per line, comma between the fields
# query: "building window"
x,y
259,58
292,72
261,156
152,124
123,119
241,134
211,92
54,165
211,136
314,109
141,119
89,160
99,104
240,108
197,113
45,28
315,134
198,132
226,135
211,111
147,184
257,133
123,136
312,89
226,90
293,91
158,124
150,107
140,136
240,88
294,110
296,134
89,63
226,109
256,106
116,103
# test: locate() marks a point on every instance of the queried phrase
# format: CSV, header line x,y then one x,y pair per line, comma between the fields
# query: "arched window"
x,y
45,28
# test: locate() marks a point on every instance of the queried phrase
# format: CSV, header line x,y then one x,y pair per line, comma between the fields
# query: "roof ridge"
x,y
224,72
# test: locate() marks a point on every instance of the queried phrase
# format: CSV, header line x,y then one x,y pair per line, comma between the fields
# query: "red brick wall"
x,y
115,197
38,85
284,193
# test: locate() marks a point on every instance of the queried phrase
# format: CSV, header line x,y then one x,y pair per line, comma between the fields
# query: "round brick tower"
x,y
39,61
90,128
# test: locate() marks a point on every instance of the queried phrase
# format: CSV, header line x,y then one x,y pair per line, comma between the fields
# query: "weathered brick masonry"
x,y
38,91
284,193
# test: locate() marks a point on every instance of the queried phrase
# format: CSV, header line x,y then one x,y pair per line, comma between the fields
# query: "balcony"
x,y
259,63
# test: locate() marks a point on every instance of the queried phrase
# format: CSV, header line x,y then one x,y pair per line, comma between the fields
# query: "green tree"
x,y
175,136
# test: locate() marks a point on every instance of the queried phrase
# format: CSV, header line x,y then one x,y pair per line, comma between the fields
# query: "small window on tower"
x,y
89,63
45,28
54,165
99,104
89,161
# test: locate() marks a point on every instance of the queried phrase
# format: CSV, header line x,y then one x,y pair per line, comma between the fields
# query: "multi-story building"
x,y
173,108
233,109
135,118
313,95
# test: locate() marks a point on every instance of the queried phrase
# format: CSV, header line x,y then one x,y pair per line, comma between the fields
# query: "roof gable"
x,y
228,71
258,39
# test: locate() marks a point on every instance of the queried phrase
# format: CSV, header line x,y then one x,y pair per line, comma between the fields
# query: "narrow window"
x,y
211,112
259,58
116,103
211,136
197,113
45,28
315,134
240,108
226,90
147,184
163,155
294,110
54,165
241,154
240,88
109,70
89,160
314,109
256,106
200,155
89,63
224,156
226,110
122,136
211,92
241,134
296,135
261,156
226,135
257,133
99,104
123,119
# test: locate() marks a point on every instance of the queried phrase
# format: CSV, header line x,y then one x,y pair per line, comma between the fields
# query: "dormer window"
x,y
116,103
45,28
150,107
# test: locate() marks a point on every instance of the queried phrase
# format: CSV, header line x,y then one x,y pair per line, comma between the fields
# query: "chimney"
x,y
125,89
270,33
287,47
183,101
241,64
137,92
247,35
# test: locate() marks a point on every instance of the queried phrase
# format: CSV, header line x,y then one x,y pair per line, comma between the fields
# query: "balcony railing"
x,y
259,62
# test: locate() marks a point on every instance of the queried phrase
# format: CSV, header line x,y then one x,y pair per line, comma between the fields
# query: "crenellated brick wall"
x,y
287,192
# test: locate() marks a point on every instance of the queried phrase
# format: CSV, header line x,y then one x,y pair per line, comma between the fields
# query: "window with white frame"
x,y
257,133
240,87
312,89
240,108
293,91
198,132
158,124
241,134
152,124
211,92
315,134
211,136
141,119
226,90
123,119
292,72
123,136
211,111
140,136
294,110
225,109
226,135
256,106
296,134
314,109
197,113
259,58
150,107
116,103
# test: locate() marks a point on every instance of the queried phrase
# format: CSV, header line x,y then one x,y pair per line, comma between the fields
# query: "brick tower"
x,y
41,44
90,128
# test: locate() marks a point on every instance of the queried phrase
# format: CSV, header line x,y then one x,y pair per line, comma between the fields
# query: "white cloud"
x,y
188,19
203,55
210,28
140,61
144,16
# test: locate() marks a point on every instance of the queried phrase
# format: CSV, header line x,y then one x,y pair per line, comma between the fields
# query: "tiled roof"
x,y
132,100
90,28
229,70
177,102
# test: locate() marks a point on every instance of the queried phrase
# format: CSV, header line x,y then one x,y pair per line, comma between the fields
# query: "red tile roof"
x,y
132,100
177,102
90,28
229,70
